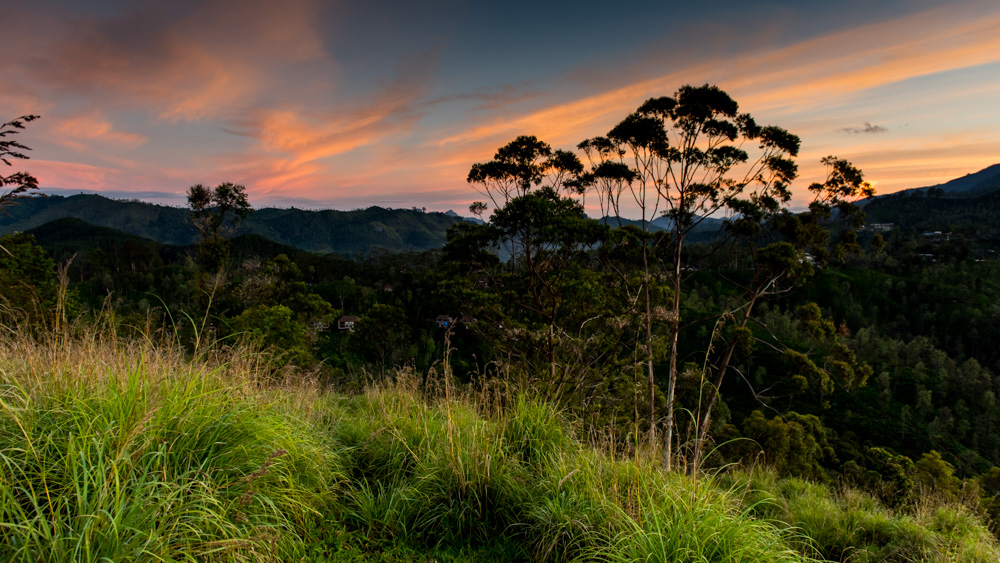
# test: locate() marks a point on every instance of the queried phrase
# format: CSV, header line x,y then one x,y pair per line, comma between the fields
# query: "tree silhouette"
x,y
210,207
21,182
520,165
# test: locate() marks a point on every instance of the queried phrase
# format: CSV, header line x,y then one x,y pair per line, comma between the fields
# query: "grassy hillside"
x,y
127,451
343,232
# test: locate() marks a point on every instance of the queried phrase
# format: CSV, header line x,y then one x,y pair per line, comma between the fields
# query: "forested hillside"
x,y
342,232
975,216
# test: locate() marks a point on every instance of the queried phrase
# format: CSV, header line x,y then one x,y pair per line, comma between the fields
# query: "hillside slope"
x,y
343,232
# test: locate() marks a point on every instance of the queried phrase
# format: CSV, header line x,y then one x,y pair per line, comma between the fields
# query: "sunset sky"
x,y
350,104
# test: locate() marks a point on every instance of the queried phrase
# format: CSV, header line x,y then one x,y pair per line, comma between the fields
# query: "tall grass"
x,y
844,524
116,450
128,450
443,474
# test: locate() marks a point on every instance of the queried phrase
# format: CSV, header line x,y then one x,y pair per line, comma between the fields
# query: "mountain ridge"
x,y
972,184
324,231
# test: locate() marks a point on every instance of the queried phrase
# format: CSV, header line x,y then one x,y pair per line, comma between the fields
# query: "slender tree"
x,y
611,177
691,157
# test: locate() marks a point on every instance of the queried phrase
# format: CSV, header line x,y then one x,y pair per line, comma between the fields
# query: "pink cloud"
x,y
74,175
93,126
193,61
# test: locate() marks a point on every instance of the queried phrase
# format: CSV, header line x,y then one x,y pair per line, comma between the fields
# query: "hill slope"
x,y
977,215
345,232
973,184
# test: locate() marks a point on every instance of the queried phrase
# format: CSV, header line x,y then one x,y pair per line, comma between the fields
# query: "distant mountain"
x,y
68,236
977,183
707,225
342,232
164,224
451,213
969,206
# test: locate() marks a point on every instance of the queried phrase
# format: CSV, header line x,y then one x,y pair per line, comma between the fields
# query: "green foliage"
x,y
844,366
974,215
546,307
381,334
812,375
443,476
28,276
935,475
815,325
889,476
794,444
126,451
276,329
145,458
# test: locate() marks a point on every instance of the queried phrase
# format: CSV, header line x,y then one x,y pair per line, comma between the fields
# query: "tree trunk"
x,y
649,347
675,327
713,394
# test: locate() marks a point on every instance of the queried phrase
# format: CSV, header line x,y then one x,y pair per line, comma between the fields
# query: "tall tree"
x,y
689,156
210,207
610,176
546,236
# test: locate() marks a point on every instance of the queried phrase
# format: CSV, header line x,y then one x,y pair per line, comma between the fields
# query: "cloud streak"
x,y
866,128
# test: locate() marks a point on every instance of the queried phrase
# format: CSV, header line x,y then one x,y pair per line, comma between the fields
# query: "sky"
x,y
336,104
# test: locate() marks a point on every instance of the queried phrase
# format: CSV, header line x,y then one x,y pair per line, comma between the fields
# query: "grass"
x,y
124,450
117,451
848,525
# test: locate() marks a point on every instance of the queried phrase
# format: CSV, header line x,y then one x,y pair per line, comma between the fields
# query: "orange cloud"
x,y
802,75
73,175
93,126
294,139
262,72
190,61
806,75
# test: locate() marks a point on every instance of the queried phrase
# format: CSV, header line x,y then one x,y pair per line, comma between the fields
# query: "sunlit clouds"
x,y
327,104
92,127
